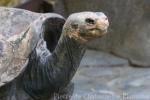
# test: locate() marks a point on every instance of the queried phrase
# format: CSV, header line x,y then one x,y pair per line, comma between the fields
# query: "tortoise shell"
x,y
20,31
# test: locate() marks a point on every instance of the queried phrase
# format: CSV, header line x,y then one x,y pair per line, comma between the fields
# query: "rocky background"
x,y
103,76
11,3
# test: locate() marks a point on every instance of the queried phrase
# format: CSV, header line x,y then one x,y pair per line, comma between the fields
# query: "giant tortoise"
x,y
40,53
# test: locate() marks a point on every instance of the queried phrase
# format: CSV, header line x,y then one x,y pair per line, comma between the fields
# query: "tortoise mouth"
x,y
94,33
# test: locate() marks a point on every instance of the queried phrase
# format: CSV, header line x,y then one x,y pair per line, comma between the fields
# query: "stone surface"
x,y
129,26
97,58
12,3
115,80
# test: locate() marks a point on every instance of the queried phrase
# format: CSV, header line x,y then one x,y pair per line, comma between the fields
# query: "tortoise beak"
x,y
102,24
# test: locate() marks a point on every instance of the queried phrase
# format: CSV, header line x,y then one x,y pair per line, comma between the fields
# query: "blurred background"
x,y
116,66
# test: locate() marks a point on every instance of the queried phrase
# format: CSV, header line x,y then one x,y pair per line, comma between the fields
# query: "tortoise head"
x,y
86,26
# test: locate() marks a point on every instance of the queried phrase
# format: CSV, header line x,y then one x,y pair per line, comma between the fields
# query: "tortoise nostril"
x,y
89,21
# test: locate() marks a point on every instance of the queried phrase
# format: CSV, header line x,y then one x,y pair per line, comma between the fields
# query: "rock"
x,y
129,26
39,6
11,3
102,59
97,82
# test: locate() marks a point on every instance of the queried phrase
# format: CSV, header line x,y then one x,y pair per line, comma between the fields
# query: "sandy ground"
x,y
102,76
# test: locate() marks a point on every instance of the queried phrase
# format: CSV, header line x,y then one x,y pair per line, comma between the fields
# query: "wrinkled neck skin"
x,y
48,73
67,57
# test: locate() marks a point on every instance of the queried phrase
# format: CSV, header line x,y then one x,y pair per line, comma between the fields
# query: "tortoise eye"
x,y
89,21
74,26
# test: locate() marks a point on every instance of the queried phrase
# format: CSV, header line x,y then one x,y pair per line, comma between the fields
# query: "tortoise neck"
x,y
68,54
46,73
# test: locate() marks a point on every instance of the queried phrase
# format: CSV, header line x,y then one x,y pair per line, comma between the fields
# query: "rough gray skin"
x,y
48,73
